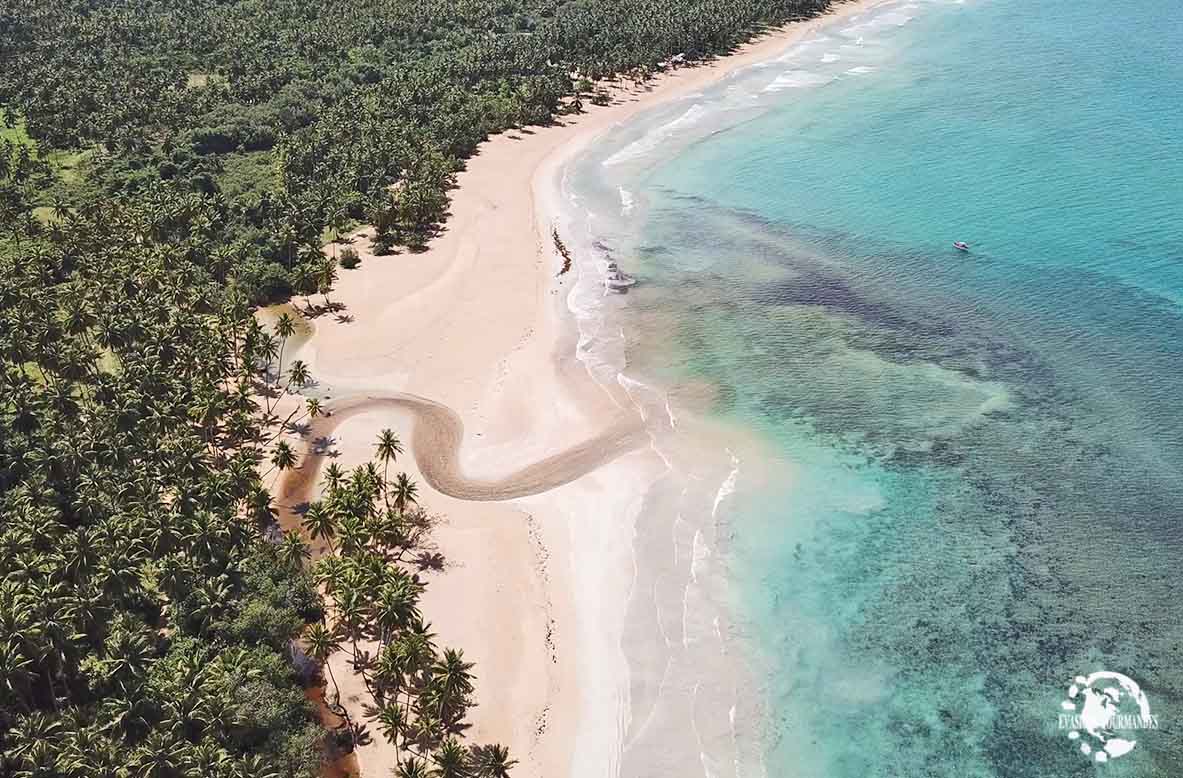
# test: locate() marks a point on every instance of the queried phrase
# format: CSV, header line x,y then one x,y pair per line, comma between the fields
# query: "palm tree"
x,y
354,535
304,278
208,759
392,722
492,761
451,760
413,768
254,766
283,457
159,756
333,476
389,673
405,492
320,523
285,327
418,651
16,674
322,644
396,607
293,550
326,277
389,447
298,374
452,679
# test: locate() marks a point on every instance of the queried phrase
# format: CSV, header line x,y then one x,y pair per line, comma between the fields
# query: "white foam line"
x,y
657,450
728,486
700,552
660,623
626,201
654,139
702,754
665,674
627,385
674,534
734,733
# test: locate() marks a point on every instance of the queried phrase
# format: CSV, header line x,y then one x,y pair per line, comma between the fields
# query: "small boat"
x,y
960,245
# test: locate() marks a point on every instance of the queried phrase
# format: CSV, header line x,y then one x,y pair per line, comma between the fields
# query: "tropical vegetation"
x,y
146,624
298,118
165,167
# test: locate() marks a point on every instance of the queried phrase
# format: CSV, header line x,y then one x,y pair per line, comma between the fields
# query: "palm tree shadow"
x,y
324,446
431,560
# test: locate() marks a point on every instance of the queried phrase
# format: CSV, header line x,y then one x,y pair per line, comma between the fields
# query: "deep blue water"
x,y
988,447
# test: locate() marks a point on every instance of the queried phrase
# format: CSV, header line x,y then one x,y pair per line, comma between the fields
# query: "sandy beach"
x,y
537,470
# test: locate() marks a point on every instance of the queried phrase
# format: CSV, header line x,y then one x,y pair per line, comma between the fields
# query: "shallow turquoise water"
x,y
989,445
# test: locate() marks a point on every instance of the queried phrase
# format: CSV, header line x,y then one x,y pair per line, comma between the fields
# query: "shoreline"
x,y
535,590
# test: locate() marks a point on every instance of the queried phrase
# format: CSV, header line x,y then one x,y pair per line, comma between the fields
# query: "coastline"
x,y
477,324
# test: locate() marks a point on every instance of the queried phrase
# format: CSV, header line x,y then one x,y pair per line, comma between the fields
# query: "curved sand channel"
x,y
436,440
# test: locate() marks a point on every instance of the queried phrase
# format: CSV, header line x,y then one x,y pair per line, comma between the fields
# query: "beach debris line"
x,y
561,247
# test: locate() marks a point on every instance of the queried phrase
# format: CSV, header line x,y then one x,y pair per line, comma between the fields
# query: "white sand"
x,y
535,588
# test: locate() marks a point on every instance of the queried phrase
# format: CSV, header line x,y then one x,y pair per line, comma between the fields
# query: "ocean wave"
x,y
653,139
626,201
898,19
797,79
727,488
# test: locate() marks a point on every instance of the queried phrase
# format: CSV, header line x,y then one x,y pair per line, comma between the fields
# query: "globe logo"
x,y
1103,714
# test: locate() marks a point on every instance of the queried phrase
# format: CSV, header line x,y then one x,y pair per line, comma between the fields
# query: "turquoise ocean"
x,y
971,489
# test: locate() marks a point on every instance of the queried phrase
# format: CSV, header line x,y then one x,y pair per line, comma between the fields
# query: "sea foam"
x,y
626,201
797,79
653,139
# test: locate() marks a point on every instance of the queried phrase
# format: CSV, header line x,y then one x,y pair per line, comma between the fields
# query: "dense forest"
x,y
296,117
166,165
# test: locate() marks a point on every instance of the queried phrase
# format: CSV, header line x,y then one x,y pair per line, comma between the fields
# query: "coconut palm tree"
x,y
283,457
322,644
160,756
293,551
326,277
139,600
405,492
396,607
333,477
298,374
451,685
451,760
392,723
389,447
320,523
492,761
353,534
413,768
